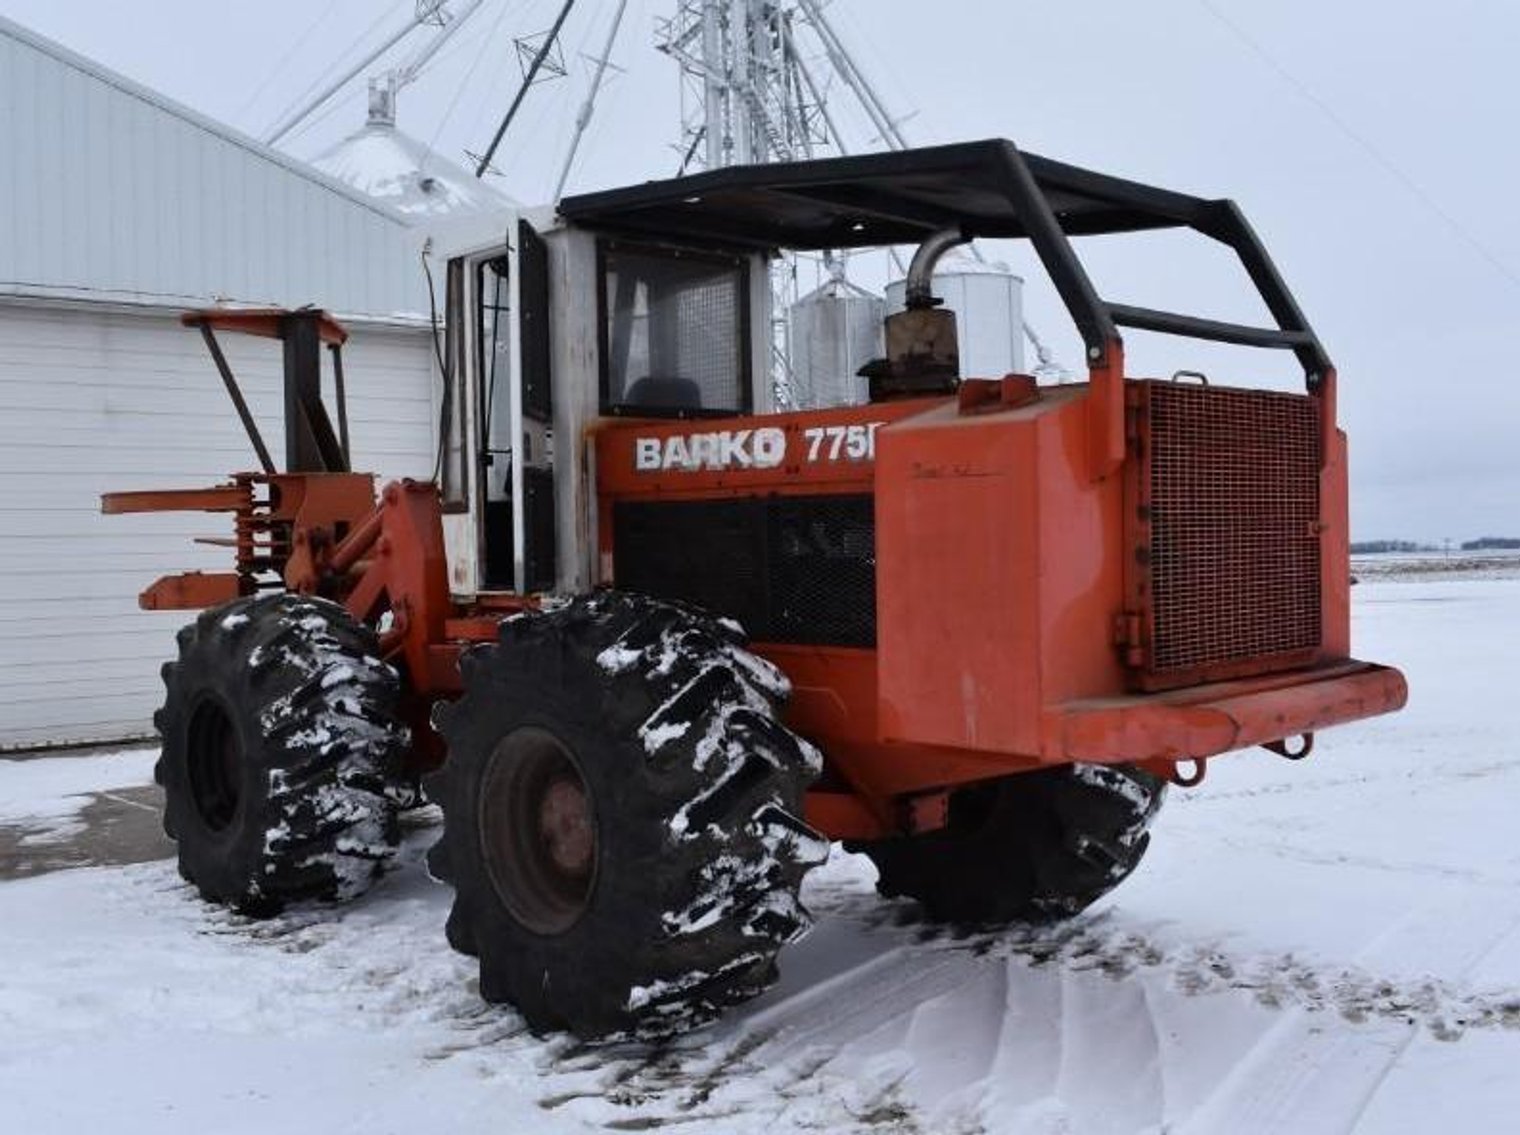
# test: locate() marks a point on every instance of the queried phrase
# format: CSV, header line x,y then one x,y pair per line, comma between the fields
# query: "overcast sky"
x,y
1372,144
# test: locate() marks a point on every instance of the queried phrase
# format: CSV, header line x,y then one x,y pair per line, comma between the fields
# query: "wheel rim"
x,y
538,831
215,765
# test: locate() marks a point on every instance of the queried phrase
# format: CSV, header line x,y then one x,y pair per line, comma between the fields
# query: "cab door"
x,y
496,480
515,409
538,568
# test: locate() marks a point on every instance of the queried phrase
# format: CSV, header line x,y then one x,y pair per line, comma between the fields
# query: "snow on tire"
x,y
620,817
280,734
1038,846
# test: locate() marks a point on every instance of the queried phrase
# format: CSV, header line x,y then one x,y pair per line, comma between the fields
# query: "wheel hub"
x,y
215,765
564,826
538,832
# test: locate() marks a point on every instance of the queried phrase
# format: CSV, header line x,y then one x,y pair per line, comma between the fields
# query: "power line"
x,y
335,104
290,111
469,78
1388,165
285,60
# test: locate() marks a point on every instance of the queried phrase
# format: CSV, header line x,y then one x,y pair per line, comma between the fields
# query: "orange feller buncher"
x,y
650,644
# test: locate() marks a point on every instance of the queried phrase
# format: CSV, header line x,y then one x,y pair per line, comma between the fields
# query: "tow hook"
x,y
1193,779
1305,747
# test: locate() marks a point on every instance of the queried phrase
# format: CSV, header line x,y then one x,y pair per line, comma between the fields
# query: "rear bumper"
x,y
1204,721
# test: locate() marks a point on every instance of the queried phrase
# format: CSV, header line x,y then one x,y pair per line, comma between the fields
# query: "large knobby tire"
x,y
279,732
1036,847
620,818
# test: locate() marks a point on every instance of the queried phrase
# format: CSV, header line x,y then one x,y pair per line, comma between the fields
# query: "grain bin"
x,y
988,301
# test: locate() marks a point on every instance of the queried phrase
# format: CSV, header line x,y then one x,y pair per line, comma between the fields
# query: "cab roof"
x,y
982,188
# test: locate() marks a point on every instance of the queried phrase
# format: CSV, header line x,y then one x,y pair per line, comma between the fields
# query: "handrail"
x,y
1194,327
1098,321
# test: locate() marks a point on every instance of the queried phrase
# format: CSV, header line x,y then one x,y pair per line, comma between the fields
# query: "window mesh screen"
x,y
675,333
790,569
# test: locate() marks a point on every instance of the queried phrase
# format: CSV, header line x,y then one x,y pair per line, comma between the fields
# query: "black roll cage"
x,y
984,189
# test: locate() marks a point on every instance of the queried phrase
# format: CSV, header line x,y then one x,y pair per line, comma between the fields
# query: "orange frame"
x,y
1002,541
1001,567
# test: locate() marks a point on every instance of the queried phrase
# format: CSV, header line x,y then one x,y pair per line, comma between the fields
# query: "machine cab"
x,y
543,334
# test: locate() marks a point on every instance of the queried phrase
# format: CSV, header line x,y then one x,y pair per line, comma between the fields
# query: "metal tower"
x,y
746,96
749,96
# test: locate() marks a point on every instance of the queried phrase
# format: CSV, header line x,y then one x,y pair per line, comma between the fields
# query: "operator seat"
x,y
658,392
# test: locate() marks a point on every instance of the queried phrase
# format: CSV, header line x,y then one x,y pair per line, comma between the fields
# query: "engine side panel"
x,y
999,573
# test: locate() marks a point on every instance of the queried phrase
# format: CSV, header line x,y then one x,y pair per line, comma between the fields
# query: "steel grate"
x,y
823,570
796,569
1234,513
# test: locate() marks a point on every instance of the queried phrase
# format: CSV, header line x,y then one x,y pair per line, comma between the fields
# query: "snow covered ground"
x,y
1330,946
1489,563
49,796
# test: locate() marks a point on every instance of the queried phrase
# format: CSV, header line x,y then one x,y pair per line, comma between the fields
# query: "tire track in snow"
x,y
1304,1079
1303,1075
382,959
1275,980
918,974
773,1064
794,1057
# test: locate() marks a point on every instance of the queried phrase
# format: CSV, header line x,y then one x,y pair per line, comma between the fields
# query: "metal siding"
x,y
121,192
119,195
256,260
61,189
25,239
95,187
92,401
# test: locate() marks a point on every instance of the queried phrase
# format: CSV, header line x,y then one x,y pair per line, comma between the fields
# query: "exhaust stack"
x,y
923,351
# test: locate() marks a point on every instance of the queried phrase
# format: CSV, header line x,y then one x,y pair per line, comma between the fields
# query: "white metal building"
x,y
118,210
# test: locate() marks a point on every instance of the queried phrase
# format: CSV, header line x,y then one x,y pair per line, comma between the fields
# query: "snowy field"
x,y
1331,946
1490,563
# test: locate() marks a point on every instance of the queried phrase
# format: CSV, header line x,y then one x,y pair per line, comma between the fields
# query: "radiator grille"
x,y
791,569
1233,480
